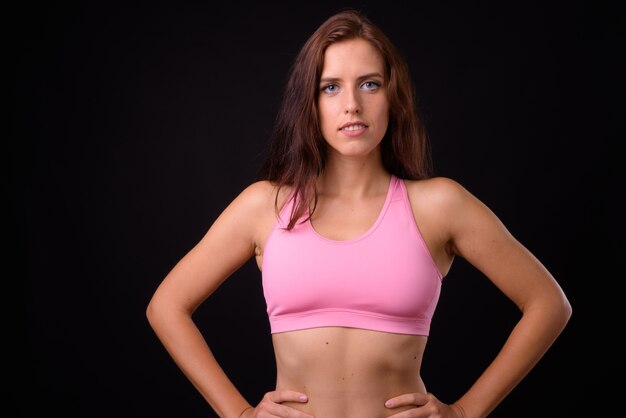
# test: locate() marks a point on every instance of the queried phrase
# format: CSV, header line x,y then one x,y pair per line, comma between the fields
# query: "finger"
x,y
411,413
280,396
275,409
416,399
286,412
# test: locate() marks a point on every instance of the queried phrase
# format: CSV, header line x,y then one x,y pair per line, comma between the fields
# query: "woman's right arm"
x,y
227,245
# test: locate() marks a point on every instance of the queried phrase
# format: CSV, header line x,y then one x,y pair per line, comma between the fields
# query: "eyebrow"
x,y
362,77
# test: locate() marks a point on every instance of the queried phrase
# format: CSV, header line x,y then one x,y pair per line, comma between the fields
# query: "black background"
x,y
134,124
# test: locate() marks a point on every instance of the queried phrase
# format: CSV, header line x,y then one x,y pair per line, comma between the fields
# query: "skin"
x,y
335,372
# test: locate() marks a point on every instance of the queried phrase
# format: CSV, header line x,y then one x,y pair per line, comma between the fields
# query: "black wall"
x,y
134,124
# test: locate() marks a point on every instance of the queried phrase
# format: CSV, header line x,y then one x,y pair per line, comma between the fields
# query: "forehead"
x,y
351,58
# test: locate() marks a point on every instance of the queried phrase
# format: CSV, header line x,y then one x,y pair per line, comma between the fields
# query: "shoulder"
x,y
260,191
256,193
257,209
261,197
437,192
447,206
249,214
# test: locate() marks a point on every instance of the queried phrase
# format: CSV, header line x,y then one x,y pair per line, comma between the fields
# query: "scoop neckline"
x,y
372,228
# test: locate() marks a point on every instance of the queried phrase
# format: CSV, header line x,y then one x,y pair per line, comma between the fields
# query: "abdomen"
x,y
346,372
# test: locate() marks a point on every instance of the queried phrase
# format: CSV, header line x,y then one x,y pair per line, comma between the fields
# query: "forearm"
x,y
529,340
188,348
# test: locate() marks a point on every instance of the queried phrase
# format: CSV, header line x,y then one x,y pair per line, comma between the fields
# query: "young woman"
x,y
353,237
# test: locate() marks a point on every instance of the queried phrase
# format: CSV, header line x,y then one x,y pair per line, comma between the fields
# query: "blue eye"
x,y
371,85
329,88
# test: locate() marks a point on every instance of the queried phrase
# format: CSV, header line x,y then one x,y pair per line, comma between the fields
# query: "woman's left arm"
x,y
479,237
476,234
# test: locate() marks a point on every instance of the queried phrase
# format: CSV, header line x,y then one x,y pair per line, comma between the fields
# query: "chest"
x,y
346,219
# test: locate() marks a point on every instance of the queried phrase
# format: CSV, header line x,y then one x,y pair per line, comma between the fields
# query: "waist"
x,y
352,398
348,372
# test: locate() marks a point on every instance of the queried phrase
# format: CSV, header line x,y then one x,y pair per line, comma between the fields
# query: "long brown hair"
x,y
297,151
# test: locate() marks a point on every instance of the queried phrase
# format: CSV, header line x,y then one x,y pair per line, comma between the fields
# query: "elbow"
x,y
163,308
150,312
553,310
566,310
561,310
154,310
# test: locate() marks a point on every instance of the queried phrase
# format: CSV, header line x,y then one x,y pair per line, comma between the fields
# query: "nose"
x,y
352,104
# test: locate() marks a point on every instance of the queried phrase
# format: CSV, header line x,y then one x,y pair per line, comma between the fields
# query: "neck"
x,y
353,177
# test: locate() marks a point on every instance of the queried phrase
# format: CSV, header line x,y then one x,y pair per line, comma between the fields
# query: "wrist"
x,y
244,411
460,412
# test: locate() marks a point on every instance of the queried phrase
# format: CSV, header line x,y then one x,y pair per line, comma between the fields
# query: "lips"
x,y
353,126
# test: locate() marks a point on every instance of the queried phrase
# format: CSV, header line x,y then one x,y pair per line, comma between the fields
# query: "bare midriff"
x,y
347,372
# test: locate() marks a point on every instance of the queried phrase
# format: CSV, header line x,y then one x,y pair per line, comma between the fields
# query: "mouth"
x,y
353,127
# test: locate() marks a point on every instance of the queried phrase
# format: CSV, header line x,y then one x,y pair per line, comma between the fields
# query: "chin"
x,y
355,150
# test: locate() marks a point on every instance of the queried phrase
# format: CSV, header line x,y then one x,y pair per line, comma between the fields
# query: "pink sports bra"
x,y
384,280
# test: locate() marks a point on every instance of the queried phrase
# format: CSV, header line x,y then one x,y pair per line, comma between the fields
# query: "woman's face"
x,y
352,105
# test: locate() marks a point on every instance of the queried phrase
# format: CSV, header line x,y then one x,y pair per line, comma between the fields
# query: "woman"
x,y
353,238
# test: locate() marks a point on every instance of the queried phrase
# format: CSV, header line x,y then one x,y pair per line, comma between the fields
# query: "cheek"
x,y
381,105
326,116
383,115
